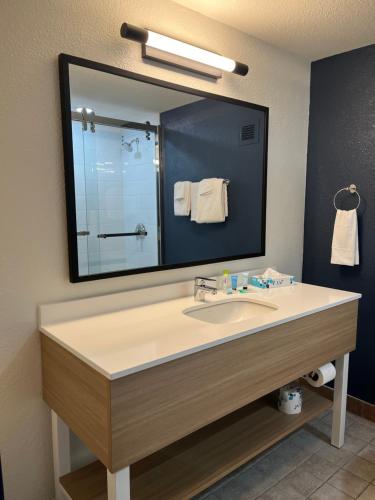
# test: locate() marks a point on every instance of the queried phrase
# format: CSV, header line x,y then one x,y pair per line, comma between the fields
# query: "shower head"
x,y
126,145
129,146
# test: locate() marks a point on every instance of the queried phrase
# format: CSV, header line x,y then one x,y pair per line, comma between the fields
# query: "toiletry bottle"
x,y
242,282
226,284
245,280
234,281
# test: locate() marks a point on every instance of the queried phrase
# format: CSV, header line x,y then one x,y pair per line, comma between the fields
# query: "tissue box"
x,y
260,282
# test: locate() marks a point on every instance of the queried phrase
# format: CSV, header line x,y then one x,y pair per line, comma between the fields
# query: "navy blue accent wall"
x,y
341,151
202,140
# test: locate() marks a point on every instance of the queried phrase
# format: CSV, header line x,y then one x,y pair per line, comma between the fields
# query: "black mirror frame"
x,y
64,61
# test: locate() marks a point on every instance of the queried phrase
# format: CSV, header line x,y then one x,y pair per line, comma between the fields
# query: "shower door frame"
x,y
144,127
115,122
64,61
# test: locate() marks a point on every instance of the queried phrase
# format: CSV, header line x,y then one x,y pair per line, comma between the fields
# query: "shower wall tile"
x,y
81,219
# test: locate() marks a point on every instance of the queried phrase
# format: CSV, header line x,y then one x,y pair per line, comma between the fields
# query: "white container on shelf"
x,y
290,399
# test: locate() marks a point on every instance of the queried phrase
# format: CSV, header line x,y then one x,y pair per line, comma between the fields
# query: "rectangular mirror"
x,y
158,176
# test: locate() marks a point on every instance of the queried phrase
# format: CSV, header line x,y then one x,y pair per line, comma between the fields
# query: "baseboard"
x,y
354,405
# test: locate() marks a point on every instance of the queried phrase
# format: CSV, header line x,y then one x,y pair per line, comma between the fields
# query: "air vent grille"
x,y
248,134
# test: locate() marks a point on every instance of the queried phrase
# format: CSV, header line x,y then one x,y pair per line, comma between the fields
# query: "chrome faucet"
x,y
201,288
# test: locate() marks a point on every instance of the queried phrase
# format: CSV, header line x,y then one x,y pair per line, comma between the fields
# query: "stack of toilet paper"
x,y
290,399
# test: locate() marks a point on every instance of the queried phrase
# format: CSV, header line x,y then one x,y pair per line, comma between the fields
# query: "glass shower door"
x,y
120,173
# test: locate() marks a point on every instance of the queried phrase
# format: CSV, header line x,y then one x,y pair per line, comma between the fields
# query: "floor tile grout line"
x,y
345,470
324,482
253,462
283,477
331,486
236,473
337,488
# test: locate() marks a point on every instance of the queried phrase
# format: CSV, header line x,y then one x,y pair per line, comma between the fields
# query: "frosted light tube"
x,y
188,51
181,49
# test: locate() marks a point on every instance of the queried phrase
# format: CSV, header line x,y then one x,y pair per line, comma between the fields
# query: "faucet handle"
x,y
202,278
201,287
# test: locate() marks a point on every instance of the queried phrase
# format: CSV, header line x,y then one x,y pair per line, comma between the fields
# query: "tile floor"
x,y
306,466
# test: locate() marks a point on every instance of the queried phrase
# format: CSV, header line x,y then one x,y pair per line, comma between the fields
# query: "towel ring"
x,y
353,190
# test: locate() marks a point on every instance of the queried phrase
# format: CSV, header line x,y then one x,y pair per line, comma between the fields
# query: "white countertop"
x,y
126,341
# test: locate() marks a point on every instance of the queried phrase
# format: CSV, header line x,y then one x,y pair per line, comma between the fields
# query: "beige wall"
x,y
33,248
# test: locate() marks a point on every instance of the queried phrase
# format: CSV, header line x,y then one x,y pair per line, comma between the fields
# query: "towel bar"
x,y
353,190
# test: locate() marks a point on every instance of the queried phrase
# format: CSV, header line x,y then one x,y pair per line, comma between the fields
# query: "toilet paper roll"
x,y
290,399
321,375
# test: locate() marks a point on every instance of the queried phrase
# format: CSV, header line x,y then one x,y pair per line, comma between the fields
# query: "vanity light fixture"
x,y
87,115
162,48
87,110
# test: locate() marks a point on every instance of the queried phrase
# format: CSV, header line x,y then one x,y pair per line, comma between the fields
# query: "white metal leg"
x,y
339,401
61,454
118,484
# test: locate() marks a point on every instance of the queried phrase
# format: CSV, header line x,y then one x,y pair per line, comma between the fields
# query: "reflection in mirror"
x,y
162,177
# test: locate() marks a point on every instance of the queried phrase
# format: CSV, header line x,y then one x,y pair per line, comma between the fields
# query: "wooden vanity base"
x,y
125,420
171,431
194,463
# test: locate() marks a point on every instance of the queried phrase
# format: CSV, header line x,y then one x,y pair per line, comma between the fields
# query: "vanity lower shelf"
x,y
197,461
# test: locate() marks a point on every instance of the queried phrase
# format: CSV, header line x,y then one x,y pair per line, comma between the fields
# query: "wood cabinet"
x,y
183,425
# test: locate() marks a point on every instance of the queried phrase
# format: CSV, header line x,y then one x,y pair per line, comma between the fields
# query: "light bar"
x,y
168,50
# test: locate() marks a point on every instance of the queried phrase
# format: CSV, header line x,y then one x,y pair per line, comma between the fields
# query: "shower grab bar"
x,y
140,230
115,235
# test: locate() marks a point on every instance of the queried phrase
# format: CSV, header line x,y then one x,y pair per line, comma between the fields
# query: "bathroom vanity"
x,y
171,398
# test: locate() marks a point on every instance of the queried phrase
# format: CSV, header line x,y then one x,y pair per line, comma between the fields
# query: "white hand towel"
x,y
194,200
345,239
225,196
182,198
212,204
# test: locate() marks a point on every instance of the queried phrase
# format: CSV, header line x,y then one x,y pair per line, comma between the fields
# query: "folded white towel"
x,y
225,197
194,200
345,239
182,198
212,201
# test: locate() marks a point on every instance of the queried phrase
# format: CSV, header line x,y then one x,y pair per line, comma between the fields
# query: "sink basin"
x,y
230,311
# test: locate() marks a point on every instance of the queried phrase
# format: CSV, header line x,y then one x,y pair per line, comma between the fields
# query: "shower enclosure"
x,y
116,178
